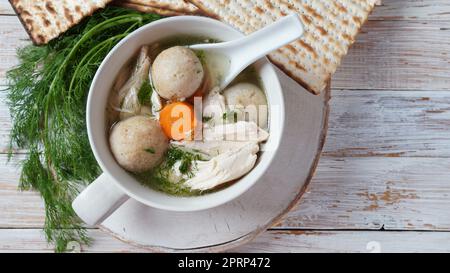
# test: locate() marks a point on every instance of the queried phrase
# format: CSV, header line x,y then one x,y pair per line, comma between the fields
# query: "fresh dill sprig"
x,y
145,93
162,178
187,160
230,116
46,96
206,119
201,55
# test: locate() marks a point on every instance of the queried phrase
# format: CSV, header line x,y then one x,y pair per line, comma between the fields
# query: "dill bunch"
x,y
46,96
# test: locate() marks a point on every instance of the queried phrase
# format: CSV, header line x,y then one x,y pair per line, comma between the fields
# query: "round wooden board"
x,y
262,206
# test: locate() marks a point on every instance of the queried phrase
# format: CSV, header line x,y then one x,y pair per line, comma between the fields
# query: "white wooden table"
x,y
383,182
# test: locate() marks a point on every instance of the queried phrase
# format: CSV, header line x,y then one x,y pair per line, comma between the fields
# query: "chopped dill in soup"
x,y
175,130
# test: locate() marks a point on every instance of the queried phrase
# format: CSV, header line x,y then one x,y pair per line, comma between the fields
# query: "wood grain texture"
x,y
18,209
32,240
412,10
12,36
346,193
389,123
365,123
386,161
398,55
375,193
389,10
5,8
391,55
349,241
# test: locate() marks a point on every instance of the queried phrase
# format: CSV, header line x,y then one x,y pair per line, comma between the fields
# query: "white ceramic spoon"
x,y
245,51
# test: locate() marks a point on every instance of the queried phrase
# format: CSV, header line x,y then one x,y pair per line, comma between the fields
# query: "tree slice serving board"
x,y
238,221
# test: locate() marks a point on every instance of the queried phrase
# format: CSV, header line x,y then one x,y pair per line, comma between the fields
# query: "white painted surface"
x,y
254,210
389,131
33,240
349,241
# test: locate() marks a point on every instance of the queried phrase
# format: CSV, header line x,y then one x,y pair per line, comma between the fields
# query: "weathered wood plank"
x,y
432,117
5,125
18,209
398,55
5,8
32,240
389,123
394,55
389,10
412,10
12,36
346,193
375,193
365,123
349,241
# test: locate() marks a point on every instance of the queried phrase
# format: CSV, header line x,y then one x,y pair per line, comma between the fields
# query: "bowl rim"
x,y
239,241
263,62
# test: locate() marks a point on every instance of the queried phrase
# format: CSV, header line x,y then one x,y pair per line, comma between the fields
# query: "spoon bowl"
x,y
244,51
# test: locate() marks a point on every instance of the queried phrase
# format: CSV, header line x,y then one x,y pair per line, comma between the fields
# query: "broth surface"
x,y
215,67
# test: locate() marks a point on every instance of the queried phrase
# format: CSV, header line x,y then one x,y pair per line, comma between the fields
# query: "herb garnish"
x,y
161,177
231,116
206,119
201,55
46,97
145,93
150,150
187,159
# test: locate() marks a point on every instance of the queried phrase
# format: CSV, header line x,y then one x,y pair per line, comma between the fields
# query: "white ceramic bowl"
x,y
102,197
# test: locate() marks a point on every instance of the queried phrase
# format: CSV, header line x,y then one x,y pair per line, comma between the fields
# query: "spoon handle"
x,y
267,39
249,49
245,51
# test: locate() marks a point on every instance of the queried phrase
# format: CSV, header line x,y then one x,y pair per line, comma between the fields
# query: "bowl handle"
x,y
99,200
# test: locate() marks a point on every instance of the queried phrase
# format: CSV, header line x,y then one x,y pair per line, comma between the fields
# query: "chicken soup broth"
x,y
154,125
